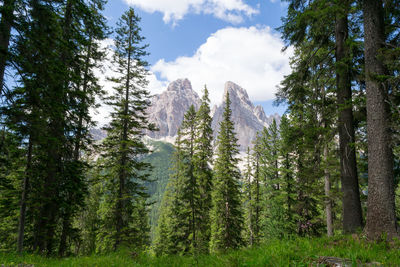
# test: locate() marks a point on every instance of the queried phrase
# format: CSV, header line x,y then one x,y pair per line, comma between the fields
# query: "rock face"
x,y
167,111
168,108
247,118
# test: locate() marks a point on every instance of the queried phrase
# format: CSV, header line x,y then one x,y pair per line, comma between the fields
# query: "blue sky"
x,y
211,42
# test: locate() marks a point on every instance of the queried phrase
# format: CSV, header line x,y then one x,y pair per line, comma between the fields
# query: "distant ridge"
x,y
168,108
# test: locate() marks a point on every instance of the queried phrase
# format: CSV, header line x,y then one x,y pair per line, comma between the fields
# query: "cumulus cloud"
x,y
232,11
250,57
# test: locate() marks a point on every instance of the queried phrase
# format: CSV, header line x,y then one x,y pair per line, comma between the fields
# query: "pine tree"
x,y
274,215
124,146
6,24
249,200
226,214
311,29
44,111
202,161
287,170
183,196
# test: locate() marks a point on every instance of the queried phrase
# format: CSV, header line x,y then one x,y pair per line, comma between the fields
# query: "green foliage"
x,y
124,173
160,159
184,225
178,234
202,161
226,213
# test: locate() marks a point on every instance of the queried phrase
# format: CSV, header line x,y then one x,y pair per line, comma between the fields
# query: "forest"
x,y
327,173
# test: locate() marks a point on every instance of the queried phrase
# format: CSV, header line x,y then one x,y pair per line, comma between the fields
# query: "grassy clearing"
x,y
293,252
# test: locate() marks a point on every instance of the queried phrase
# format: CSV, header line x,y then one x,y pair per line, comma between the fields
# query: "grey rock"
x,y
167,109
247,118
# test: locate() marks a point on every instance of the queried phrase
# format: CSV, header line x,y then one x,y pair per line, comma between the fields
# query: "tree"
x,y
6,23
352,215
311,29
124,146
381,217
226,215
180,231
202,160
274,216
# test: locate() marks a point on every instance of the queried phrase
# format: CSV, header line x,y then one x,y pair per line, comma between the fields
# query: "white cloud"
x,y
250,57
174,10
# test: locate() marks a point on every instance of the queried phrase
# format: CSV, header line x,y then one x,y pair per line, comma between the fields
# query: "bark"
x,y
7,19
352,214
328,201
25,188
381,217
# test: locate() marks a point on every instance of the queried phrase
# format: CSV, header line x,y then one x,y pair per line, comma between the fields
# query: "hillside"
x,y
160,159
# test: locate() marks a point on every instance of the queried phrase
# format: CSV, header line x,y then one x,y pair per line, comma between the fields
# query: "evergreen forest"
x,y
327,174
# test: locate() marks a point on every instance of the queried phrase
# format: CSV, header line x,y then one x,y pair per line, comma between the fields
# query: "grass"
x,y
292,252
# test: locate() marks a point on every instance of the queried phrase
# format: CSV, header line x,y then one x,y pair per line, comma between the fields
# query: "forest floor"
x,y
289,252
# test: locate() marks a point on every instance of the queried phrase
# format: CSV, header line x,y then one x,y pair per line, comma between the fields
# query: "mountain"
x,y
248,119
167,109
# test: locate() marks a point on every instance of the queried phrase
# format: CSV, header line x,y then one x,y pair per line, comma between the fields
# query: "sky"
x,y
211,42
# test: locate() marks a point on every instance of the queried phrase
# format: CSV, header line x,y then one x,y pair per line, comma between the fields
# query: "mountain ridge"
x,y
168,108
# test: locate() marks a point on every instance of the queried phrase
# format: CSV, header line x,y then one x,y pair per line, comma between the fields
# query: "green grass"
x,y
293,252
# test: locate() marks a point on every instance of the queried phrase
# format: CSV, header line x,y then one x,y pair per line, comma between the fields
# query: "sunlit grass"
x,y
288,252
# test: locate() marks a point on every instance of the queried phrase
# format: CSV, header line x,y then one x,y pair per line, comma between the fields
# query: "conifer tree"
x,y
6,24
226,214
321,40
202,161
248,200
124,146
274,216
180,231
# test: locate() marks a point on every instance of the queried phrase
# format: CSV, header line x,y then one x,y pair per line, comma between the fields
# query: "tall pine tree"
x,y
124,145
226,214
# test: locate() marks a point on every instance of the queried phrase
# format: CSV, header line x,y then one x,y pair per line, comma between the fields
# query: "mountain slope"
x,y
168,108
247,118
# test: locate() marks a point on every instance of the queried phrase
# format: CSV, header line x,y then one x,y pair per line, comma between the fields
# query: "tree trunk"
x,y
352,214
25,188
328,201
381,217
7,19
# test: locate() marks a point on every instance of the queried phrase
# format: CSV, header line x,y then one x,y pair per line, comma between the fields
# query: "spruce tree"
x,y
6,24
124,145
202,161
248,200
226,214
274,216
180,230
331,43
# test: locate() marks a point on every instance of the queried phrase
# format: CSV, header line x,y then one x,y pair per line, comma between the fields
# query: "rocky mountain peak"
x,y
237,94
168,108
180,85
260,114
